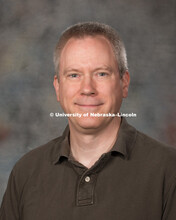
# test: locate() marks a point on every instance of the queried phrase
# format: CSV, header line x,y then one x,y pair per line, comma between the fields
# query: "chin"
x,y
90,124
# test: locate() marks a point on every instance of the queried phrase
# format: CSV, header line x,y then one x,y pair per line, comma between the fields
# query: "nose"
x,y
88,86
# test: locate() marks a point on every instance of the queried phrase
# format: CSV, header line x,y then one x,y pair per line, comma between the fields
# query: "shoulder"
x,y
142,146
157,162
150,145
37,159
157,156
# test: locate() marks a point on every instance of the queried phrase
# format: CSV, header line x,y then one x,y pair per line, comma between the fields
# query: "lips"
x,y
88,104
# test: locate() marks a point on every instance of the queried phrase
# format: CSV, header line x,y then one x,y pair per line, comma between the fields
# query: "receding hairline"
x,y
93,29
83,38
63,41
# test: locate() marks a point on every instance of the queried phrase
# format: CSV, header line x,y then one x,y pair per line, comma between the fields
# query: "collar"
x,y
62,147
123,145
125,139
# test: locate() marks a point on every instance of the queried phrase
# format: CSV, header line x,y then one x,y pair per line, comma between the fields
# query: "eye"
x,y
73,75
102,74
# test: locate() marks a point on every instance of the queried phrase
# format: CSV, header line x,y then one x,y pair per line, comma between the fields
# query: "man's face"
x,y
89,81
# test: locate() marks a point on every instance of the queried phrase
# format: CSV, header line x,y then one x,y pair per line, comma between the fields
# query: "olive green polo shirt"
x,y
136,180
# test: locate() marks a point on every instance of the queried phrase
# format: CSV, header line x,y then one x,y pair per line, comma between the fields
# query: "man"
x,y
101,167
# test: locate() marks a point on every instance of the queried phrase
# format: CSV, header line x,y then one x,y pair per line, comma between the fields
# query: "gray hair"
x,y
81,30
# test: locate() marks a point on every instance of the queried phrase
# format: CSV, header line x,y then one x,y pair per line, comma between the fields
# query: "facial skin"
x,y
89,81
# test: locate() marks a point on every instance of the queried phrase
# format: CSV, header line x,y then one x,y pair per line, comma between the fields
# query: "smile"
x,y
88,105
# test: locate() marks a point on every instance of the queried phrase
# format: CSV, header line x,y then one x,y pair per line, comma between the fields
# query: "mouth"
x,y
88,105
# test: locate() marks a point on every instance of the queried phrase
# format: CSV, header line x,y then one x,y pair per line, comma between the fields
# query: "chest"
x,y
117,193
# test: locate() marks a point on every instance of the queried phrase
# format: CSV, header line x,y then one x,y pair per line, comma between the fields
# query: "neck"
x,y
88,148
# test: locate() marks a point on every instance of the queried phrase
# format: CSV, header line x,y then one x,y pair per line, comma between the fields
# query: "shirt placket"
x,y
85,189
85,192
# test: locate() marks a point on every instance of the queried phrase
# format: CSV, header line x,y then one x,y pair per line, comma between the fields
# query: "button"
x,y
87,179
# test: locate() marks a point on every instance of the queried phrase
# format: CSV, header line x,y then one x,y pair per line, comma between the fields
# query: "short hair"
x,y
84,29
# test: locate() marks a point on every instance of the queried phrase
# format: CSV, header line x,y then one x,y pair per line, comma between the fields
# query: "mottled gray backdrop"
x,y
28,33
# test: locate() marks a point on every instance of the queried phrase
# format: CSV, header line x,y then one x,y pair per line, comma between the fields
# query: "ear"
x,y
56,86
125,83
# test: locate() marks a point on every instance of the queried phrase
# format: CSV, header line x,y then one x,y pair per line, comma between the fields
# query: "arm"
x,y
10,205
169,212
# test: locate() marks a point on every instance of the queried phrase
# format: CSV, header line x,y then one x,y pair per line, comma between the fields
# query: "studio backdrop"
x,y
29,31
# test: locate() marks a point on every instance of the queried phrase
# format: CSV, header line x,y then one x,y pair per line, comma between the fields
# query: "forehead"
x,y
88,47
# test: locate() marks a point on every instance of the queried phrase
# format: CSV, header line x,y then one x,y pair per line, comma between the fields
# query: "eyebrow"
x,y
107,68
70,70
